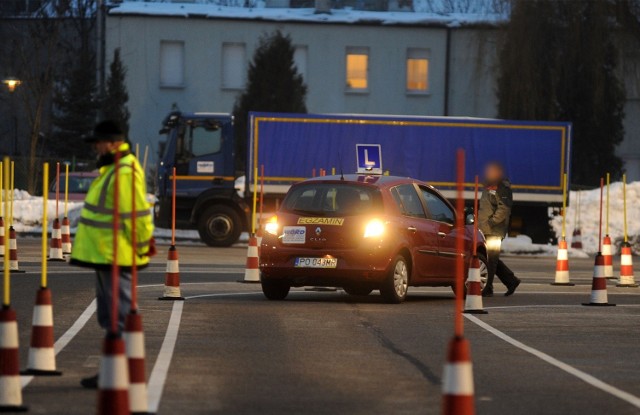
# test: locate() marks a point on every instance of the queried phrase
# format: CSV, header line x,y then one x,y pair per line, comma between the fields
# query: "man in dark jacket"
x,y
493,219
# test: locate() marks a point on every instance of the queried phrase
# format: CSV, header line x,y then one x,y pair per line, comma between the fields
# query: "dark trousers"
x,y
104,297
495,265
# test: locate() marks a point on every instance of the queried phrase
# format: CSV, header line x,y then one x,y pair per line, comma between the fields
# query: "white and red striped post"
x,y
55,250
172,277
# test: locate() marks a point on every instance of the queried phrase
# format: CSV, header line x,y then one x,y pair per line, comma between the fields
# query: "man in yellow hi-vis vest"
x,y
93,245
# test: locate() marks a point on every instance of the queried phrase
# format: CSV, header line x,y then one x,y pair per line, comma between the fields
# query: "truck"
x,y
293,147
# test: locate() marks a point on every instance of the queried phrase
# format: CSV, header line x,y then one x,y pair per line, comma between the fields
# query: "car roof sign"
x,y
369,158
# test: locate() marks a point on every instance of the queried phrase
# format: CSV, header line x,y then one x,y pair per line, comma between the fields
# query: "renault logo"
x,y
318,231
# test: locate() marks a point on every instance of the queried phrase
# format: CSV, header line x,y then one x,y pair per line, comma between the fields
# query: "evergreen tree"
x,y
115,103
559,62
273,84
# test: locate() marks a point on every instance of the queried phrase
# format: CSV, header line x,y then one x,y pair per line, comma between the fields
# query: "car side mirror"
x,y
470,219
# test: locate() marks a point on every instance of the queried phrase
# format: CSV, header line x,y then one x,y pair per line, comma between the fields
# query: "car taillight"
x,y
374,229
272,226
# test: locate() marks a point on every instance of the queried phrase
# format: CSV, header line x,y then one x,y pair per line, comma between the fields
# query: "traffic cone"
x,y
259,241
113,380
13,251
599,284
252,271
55,248
66,236
1,237
576,240
172,279
10,386
42,357
457,380
473,302
608,257
562,265
626,268
134,341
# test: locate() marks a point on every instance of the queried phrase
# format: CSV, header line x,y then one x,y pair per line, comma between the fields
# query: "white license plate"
x,y
316,262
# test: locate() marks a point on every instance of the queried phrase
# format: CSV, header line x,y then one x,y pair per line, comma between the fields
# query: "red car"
x,y
363,233
79,183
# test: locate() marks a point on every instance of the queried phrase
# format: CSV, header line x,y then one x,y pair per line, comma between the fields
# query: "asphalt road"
x,y
538,352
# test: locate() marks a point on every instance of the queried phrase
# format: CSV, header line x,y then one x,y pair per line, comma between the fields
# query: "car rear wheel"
x,y
394,288
357,291
275,290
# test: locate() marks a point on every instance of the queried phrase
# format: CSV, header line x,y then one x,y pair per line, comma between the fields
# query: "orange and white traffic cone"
x,y
55,248
66,236
576,240
134,340
457,380
562,265
42,356
10,386
599,284
626,268
13,251
259,240
172,278
113,380
473,302
1,237
252,268
608,257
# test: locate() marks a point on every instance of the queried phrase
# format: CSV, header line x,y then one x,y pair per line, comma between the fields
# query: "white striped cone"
x,y
113,380
457,380
576,240
626,268
13,251
473,302
562,265
1,237
608,257
10,386
172,278
55,248
252,269
42,357
134,340
66,236
599,284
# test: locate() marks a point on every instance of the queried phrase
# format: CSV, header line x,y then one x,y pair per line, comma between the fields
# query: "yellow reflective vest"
x,y
93,244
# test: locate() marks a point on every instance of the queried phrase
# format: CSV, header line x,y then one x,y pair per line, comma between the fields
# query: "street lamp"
x,y
11,83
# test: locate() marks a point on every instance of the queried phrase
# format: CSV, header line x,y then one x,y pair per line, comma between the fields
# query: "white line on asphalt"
x,y
550,306
585,377
222,295
161,367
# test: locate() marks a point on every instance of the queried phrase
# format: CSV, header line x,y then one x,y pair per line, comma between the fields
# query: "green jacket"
x,y
93,244
494,211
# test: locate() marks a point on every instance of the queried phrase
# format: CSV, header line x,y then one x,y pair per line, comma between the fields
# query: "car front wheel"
x,y
275,290
394,288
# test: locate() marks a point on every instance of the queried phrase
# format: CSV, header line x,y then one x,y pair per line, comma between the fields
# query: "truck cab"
x,y
200,147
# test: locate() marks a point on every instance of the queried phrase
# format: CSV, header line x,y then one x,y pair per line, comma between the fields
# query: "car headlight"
x,y
374,229
272,226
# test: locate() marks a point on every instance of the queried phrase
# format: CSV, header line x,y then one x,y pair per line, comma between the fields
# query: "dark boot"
x,y
90,382
512,288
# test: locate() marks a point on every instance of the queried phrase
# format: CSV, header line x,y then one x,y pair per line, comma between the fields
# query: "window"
x,y
171,64
408,201
198,139
333,200
357,68
233,66
438,208
300,60
417,70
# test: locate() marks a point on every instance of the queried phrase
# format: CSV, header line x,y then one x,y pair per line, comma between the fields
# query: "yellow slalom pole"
x,y
607,212
144,162
45,205
11,194
255,200
66,188
564,207
6,297
624,205
333,171
138,150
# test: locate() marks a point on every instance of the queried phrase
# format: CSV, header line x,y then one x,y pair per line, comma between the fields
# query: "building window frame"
x,y
357,51
225,85
172,85
417,54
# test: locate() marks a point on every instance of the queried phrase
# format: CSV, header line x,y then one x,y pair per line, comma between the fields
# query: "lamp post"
x,y
12,83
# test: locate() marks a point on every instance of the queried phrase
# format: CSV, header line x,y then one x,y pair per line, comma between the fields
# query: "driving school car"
x,y
363,233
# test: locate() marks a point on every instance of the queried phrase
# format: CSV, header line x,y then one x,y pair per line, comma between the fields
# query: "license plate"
x,y
316,262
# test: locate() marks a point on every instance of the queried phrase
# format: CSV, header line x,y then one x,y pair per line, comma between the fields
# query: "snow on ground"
x,y
522,245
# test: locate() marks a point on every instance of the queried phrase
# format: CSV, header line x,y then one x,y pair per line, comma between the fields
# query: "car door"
x,y
443,217
422,233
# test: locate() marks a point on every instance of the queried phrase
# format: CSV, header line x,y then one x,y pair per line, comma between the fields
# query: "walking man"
x,y
93,245
493,219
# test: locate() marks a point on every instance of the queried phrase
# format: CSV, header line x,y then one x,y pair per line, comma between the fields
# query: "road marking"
x,y
585,377
161,367
222,294
504,307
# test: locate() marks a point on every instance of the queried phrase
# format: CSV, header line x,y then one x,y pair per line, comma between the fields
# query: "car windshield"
x,y
329,199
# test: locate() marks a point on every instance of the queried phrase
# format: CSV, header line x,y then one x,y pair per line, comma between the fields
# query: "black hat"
x,y
107,130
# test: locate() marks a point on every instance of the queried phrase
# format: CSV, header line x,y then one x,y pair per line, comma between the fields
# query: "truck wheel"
x,y
219,226
394,288
275,290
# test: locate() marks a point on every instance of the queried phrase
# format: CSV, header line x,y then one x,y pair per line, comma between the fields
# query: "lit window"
x,y
417,70
357,68
171,64
233,65
300,60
